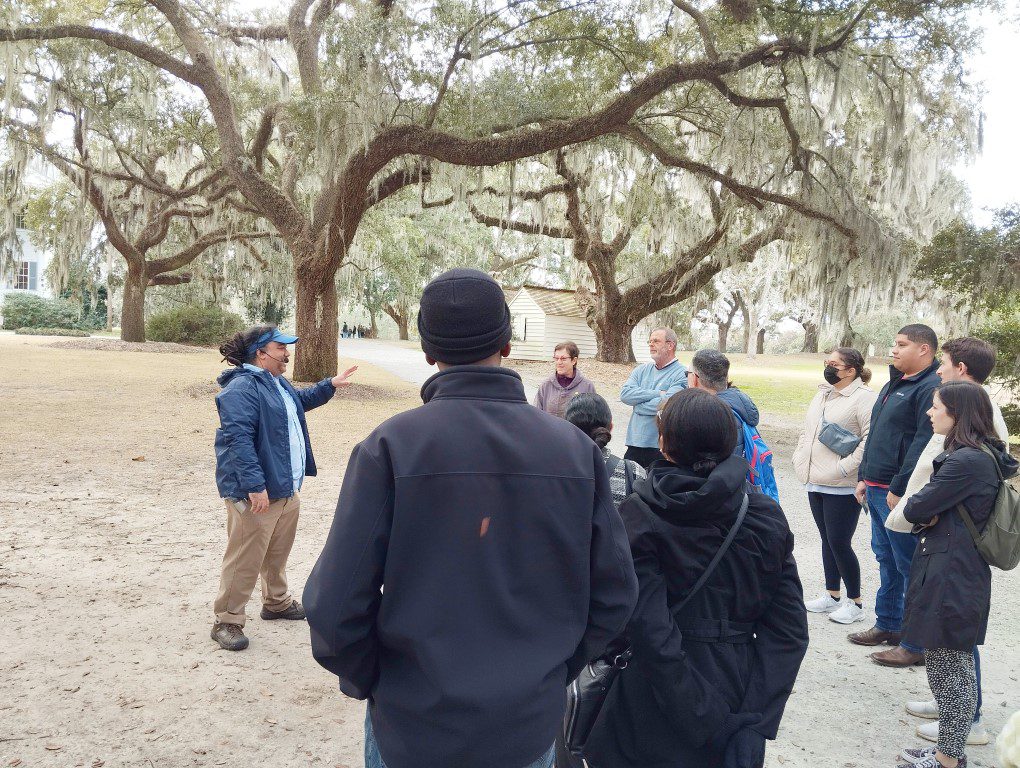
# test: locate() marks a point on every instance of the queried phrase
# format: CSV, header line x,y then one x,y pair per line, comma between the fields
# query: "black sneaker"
x,y
229,636
294,612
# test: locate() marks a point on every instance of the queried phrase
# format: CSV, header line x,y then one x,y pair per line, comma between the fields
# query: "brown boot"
x,y
229,636
897,657
874,636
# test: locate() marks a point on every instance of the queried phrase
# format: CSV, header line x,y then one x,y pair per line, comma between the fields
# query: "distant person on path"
x,y
476,562
591,414
830,478
565,382
900,429
950,586
649,386
710,370
263,455
345,331
965,359
710,677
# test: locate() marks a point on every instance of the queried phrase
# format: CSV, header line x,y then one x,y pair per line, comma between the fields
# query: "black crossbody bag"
x,y
587,694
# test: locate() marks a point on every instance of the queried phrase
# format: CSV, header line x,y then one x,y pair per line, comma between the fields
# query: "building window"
x,y
26,278
19,220
520,328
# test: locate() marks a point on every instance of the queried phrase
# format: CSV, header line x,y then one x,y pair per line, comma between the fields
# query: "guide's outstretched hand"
x,y
341,380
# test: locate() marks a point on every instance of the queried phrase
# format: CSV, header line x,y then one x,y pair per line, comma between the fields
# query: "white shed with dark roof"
x,y
543,317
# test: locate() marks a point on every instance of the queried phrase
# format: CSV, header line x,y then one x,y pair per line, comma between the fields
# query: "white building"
x,y
30,263
543,317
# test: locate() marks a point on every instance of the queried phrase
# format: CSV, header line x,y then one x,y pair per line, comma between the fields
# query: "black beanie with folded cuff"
x,y
463,317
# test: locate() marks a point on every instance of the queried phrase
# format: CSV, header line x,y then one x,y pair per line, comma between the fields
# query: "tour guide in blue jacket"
x,y
476,561
262,457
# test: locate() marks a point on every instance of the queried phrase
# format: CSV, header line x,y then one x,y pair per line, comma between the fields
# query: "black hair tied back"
x,y
235,349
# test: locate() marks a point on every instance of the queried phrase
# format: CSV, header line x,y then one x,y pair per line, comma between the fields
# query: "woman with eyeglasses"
x,y
826,461
565,382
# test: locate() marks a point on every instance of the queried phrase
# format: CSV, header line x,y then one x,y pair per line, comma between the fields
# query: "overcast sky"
x,y
993,177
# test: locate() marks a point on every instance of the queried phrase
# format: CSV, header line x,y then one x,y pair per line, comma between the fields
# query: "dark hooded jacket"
x,y
475,564
252,442
950,587
735,647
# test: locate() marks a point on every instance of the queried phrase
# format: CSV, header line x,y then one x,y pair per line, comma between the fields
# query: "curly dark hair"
x,y
235,349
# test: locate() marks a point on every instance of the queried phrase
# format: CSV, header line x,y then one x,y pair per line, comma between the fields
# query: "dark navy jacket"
x,y
900,428
736,647
950,589
475,564
252,443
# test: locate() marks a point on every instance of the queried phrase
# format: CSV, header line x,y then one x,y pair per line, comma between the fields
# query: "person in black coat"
x,y
949,592
476,562
707,685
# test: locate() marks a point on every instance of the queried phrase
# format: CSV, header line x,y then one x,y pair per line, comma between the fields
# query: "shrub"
x,y
198,326
50,332
26,310
1003,332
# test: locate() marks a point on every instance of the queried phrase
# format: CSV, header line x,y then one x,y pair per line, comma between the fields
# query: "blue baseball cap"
x,y
274,335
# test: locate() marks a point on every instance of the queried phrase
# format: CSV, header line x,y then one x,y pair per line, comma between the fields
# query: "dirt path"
x,y
109,565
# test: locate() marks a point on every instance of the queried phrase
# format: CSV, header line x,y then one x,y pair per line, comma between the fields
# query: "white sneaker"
x,y
824,604
847,613
929,710
977,737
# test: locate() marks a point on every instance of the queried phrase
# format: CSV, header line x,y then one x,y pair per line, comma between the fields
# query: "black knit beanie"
x,y
463,317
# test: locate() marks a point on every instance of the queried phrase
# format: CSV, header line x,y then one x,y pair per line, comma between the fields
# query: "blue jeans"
x,y
374,760
894,551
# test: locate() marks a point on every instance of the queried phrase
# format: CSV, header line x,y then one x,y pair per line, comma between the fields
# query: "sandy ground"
x,y
112,534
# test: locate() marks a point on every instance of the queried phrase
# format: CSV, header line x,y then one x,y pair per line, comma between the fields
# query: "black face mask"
x,y
831,374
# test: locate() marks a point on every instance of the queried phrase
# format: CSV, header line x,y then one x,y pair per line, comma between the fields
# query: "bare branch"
x,y
707,38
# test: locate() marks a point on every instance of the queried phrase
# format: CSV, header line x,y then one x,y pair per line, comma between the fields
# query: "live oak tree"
x,y
324,114
140,164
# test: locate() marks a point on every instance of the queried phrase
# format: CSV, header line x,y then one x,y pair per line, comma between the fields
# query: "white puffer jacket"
x,y
850,408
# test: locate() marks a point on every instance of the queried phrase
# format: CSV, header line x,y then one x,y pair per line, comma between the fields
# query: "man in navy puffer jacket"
x,y
262,457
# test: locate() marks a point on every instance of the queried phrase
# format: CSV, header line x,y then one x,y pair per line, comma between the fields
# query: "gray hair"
x,y
713,368
670,335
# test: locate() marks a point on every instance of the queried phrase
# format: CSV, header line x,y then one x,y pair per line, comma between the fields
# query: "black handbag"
x,y
587,694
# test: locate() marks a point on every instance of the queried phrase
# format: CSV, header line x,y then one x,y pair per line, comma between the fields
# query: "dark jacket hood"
x,y
231,373
1008,463
741,403
677,494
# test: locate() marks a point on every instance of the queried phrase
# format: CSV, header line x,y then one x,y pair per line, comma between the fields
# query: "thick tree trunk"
x,y
132,313
316,321
402,319
724,336
847,339
810,337
373,328
759,344
613,337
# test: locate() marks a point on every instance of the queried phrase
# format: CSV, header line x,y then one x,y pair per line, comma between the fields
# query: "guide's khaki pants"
x,y
256,545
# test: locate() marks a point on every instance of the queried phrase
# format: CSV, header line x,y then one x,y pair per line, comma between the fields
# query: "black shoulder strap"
x,y
718,556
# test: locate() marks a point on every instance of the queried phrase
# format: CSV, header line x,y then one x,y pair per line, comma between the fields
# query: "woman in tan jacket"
x,y
845,400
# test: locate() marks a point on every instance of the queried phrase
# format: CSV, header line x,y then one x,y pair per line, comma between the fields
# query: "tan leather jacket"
x,y
850,408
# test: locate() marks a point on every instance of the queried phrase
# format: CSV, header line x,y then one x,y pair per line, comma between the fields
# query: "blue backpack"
x,y
759,459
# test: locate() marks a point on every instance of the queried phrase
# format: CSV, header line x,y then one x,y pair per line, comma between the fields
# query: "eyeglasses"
x,y
561,359
834,364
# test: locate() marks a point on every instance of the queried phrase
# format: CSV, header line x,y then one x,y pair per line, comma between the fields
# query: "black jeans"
x,y
643,456
836,517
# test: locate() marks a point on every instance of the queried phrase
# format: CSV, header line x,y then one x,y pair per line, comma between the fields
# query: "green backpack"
x,y
999,542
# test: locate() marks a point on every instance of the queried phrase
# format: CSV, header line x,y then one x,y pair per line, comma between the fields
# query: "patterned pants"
x,y
952,681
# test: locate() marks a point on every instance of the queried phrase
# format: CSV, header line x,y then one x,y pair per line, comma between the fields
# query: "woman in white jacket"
x,y
845,400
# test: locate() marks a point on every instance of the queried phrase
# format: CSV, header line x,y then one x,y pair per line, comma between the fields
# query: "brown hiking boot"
x,y
229,636
874,636
294,612
897,657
